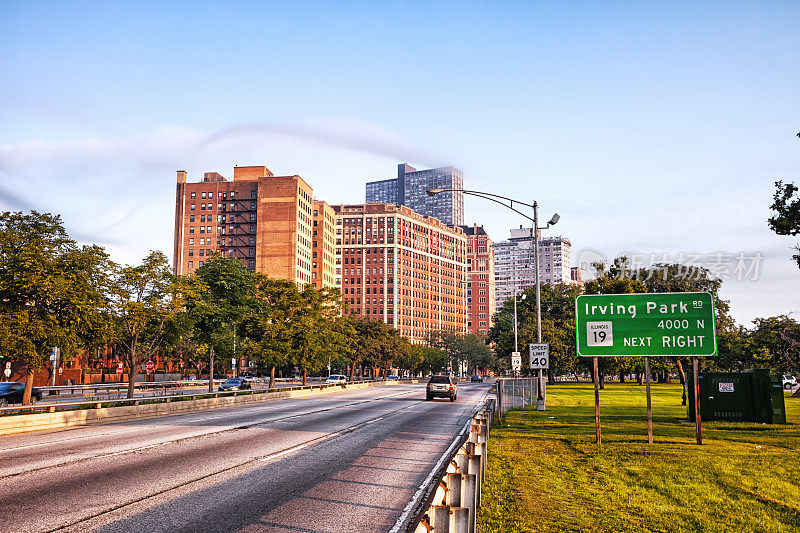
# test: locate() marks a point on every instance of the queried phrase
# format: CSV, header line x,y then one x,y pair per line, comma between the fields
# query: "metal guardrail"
x,y
98,403
516,393
449,499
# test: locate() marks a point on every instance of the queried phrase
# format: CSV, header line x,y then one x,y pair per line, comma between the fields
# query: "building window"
x,y
200,263
192,196
191,229
191,218
233,194
251,263
191,264
191,242
191,208
191,252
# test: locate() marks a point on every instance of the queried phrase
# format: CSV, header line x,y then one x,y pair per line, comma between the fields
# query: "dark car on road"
x,y
12,391
441,387
476,379
235,384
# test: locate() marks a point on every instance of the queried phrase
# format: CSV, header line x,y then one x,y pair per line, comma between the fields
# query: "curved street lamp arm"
x,y
467,191
486,196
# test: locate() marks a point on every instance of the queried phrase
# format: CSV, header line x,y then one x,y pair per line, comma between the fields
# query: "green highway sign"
x,y
638,325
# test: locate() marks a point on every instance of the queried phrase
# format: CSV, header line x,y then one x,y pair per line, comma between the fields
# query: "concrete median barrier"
x,y
96,413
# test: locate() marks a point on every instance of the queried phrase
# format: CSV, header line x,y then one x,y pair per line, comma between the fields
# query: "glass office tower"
x,y
409,188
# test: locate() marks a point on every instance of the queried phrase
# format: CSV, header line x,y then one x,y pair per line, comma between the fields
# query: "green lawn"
x,y
546,474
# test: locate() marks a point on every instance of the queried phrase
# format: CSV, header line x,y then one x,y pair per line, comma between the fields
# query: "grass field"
x,y
545,473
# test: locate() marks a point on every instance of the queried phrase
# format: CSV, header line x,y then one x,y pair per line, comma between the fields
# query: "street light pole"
x,y
540,403
540,396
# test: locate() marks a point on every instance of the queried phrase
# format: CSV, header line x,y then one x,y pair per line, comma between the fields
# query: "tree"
x,y
450,343
313,330
375,346
142,303
775,342
219,297
51,290
786,217
474,350
271,324
558,325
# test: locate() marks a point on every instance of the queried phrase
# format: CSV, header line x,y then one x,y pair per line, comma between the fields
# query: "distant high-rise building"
x,y
323,246
409,189
514,263
480,279
395,265
576,274
261,219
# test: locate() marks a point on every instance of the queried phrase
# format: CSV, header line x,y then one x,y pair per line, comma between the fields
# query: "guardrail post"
x,y
469,499
440,518
462,461
459,520
476,468
454,490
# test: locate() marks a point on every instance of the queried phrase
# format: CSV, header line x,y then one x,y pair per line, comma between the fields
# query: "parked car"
x,y
235,384
336,379
12,391
476,379
441,387
392,378
789,381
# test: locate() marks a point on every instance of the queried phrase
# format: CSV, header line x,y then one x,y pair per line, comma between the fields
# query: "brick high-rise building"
x,y
409,189
262,219
514,263
480,291
401,267
323,246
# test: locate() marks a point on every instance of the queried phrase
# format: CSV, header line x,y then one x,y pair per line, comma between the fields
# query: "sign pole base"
x,y
649,405
540,403
595,374
696,384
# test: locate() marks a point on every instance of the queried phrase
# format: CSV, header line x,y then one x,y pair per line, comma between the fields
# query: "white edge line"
x,y
445,457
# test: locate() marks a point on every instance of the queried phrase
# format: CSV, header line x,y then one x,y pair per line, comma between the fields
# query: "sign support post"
x,y
649,405
696,384
596,380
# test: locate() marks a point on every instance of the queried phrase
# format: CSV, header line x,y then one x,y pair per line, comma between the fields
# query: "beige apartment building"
x,y
395,265
323,254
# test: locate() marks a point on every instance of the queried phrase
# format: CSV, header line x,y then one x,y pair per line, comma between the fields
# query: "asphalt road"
x,y
347,461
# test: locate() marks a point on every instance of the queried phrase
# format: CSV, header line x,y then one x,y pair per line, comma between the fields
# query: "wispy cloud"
x,y
119,190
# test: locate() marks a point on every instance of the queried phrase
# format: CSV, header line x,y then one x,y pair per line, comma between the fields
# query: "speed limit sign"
x,y
540,356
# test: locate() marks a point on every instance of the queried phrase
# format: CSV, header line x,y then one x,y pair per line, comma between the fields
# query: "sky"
x,y
655,129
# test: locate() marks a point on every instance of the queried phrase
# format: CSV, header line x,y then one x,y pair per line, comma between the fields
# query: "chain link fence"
x,y
516,393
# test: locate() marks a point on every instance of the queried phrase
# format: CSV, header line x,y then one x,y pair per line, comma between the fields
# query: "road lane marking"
x,y
123,452
50,442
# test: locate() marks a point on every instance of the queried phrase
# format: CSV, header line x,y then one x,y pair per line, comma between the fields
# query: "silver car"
x,y
336,379
441,387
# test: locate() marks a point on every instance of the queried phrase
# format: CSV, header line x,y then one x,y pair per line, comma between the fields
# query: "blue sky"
x,y
650,127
